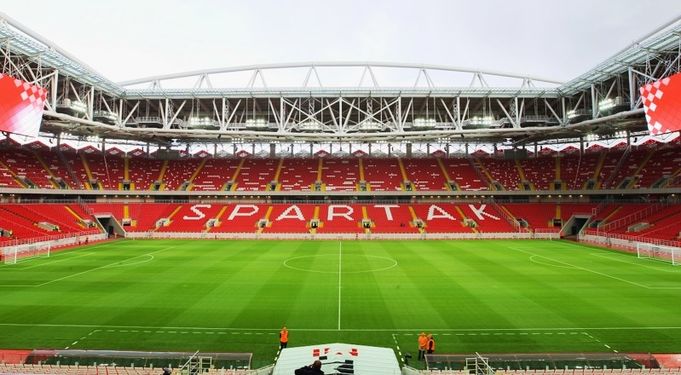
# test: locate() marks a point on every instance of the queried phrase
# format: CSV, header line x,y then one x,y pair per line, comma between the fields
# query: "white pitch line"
x,y
108,328
104,266
340,271
585,269
54,261
397,346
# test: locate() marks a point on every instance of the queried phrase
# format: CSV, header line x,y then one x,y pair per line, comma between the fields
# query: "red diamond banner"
x,y
662,103
21,106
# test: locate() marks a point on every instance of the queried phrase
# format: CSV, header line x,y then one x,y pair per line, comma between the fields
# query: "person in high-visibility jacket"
x,y
430,347
283,338
423,341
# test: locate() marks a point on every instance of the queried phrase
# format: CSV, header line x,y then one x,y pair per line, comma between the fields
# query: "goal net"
x,y
13,255
658,252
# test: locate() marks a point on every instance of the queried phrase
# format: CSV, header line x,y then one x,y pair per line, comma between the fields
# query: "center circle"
x,y
328,263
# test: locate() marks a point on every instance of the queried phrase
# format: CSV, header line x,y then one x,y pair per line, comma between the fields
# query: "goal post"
x,y
15,254
662,253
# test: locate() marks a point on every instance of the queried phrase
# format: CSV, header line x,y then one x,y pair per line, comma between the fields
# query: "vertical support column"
x,y
409,150
120,113
54,91
632,89
273,150
223,111
91,103
104,146
581,145
400,124
458,112
594,101
282,116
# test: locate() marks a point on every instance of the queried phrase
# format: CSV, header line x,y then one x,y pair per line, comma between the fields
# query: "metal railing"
x,y
631,218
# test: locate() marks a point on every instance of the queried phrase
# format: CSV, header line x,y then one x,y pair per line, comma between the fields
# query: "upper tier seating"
x,y
576,169
180,171
503,171
24,163
215,174
643,167
73,163
540,171
256,174
340,174
632,162
54,162
464,174
144,172
107,169
610,163
383,174
664,162
298,174
425,173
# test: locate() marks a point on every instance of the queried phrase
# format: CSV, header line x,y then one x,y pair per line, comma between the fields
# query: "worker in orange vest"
x,y
423,341
430,347
283,338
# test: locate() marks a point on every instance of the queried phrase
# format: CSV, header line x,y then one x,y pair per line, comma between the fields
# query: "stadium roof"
x,y
40,49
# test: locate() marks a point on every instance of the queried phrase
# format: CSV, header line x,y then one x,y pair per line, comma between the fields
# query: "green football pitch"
x,y
233,296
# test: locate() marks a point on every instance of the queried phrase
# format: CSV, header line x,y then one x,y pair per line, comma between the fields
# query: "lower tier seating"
x,y
645,221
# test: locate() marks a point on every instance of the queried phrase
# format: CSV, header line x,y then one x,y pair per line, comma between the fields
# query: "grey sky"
x,y
126,39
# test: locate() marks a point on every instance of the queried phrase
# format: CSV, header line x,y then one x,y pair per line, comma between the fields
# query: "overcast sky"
x,y
125,39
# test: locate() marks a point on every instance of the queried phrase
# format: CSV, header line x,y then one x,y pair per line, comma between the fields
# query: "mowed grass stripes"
x,y
485,296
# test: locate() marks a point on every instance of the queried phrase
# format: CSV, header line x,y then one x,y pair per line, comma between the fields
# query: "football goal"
x,y
658,252
13,255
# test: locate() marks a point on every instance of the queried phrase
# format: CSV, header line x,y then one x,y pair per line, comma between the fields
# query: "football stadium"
x,y
362,217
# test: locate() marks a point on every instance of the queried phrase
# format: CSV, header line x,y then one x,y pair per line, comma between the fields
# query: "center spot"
x,y
328,263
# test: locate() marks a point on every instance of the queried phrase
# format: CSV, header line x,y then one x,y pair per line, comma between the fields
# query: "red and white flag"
x,y
21,106
662,103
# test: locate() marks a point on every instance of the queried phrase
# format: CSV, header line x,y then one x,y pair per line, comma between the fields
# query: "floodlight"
x,y
606,104
256,123
420,122
482,120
